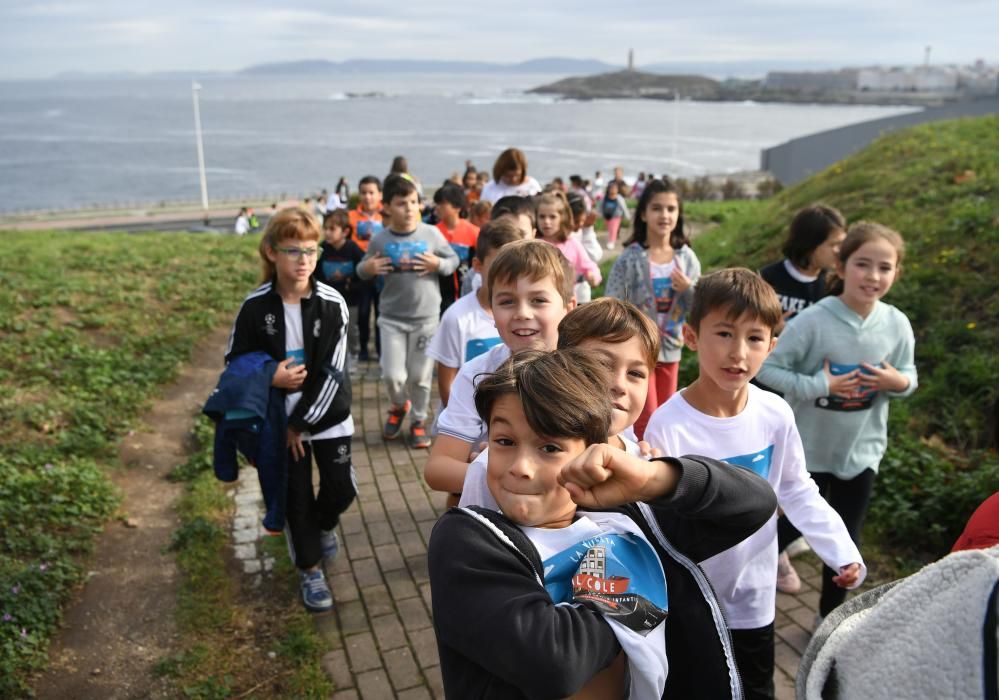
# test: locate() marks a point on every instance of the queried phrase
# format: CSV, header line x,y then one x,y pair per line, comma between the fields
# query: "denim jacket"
x,y
630,279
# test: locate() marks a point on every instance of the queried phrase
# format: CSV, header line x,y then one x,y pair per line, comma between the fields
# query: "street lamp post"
x,y
195,87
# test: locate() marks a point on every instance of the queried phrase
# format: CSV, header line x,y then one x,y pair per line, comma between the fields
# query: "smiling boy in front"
x,y
530,290
542,600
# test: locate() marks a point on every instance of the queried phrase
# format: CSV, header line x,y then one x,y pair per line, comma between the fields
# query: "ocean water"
x,y
72,143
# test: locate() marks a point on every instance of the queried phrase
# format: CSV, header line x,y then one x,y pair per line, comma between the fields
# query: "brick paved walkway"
x,y
381,638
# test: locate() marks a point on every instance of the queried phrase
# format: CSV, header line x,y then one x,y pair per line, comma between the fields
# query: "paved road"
x,y
380,636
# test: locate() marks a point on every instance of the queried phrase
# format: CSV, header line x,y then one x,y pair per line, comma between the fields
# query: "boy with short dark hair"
x,y
339,257
530,291
467,329
731,327
546,600
449,204
408,255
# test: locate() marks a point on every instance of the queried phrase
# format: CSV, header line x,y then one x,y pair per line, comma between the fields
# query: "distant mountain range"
x,y
576,66
551,66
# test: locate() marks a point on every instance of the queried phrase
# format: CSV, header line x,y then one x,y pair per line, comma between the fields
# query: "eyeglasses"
x,y
298,253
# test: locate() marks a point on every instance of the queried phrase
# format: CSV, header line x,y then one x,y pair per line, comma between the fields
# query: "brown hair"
x,y
558,199
535,260
612,321
864,232
510,159
291,224
340,218
480,208
809,229
563,393
494,235
739,291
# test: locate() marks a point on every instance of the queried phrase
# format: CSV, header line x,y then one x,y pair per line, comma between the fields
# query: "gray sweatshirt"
x,y
841,436
407,295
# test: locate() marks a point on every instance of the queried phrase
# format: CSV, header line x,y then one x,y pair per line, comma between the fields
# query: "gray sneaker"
x,y
330,543
316,594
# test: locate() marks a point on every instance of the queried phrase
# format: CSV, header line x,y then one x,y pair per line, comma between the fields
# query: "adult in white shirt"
x,y
510,177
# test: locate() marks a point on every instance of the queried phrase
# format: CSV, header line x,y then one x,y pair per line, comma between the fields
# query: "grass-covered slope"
x,y
938,185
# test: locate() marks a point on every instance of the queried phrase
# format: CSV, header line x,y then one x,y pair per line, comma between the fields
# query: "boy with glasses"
x,y
302,324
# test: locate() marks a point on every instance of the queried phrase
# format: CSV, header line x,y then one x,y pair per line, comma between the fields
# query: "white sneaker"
x,y
330,544
787,578
610,246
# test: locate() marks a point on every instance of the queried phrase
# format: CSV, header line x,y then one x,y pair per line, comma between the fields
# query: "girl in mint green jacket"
x,y
838,363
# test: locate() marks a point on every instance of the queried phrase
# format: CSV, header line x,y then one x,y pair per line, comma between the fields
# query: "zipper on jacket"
x,y
707,590
505,539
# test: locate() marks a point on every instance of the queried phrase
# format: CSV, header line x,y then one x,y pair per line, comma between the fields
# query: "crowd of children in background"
x,y
550,401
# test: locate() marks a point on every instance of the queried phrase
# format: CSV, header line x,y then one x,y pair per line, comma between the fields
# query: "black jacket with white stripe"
x,y
259,326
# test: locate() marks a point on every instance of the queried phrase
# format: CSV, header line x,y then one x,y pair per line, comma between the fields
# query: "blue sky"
x,y
39,38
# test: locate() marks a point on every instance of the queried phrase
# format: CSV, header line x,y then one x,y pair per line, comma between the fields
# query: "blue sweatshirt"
x,y
841,436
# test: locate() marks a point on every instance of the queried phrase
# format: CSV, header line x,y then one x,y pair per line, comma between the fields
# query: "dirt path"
x,y
123,620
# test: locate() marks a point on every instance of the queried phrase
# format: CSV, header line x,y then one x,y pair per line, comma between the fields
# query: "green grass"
x,y
90,326
937,184
254,643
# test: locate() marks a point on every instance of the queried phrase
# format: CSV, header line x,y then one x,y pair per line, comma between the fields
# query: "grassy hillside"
x,y
938,185
91,325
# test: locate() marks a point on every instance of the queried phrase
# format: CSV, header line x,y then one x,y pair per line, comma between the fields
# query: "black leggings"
x,y
308,512
850,498
367,299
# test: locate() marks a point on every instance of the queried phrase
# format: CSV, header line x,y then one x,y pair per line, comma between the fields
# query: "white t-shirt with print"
x,y
294,346
764,439
465,332
459,418
606,560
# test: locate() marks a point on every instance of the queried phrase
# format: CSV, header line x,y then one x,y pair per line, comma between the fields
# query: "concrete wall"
x,y
800,158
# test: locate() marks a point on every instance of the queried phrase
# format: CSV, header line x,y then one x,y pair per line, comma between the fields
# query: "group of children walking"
x,y
589,556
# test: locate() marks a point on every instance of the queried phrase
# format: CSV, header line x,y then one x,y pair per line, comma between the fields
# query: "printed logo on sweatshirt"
x,y
366,229
479,346
404,254
861,399
269,321
337,270
618,575
758,462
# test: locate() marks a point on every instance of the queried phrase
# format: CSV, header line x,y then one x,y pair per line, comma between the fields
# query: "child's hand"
x,y
288,377
591,277
294,440
647,451
379,264
844,385
426,263
589,219
848,575
604,476
680,281
885,378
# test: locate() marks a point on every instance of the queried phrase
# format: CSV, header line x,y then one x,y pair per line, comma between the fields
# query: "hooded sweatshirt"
x,y
842,437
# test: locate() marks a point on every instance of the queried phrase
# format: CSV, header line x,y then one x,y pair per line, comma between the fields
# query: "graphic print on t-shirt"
x,y
861,399
463,252
404,254
367,228
758,462
619,575
333,270
479,346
